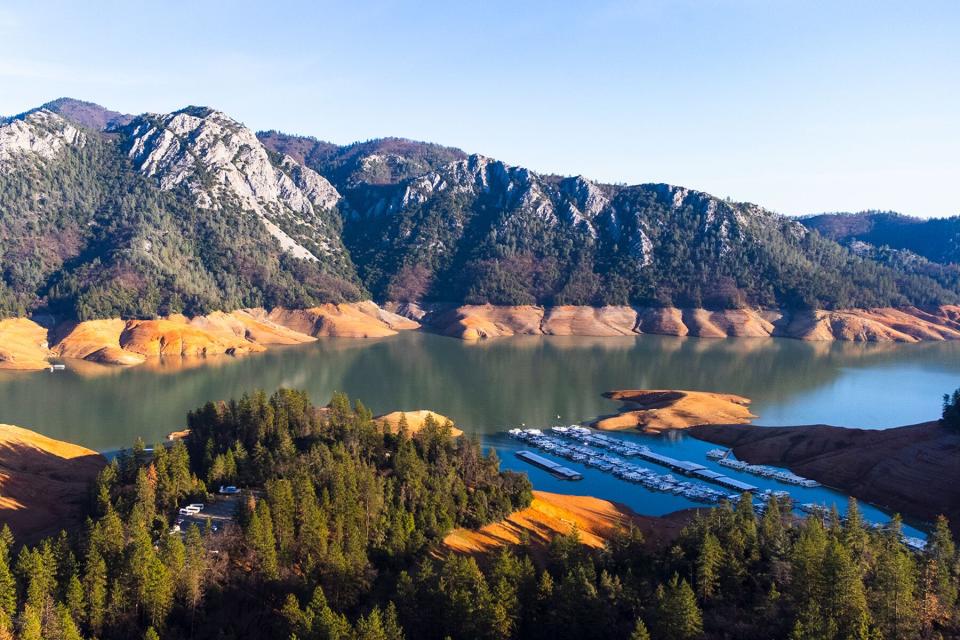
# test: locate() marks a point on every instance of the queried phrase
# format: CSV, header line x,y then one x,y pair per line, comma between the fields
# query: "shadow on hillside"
x,y
42,492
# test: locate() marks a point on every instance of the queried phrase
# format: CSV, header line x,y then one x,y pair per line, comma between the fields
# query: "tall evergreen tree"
x,y
678,615
708,566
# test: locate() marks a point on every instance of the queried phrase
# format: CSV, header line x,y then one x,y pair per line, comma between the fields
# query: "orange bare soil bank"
x,y
23,343
475,322
415,420
653,411
550,514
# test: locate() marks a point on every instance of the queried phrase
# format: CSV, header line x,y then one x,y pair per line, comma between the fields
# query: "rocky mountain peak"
x,y
41,134
220,163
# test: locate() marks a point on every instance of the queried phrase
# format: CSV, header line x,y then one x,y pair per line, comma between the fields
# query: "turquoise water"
x,y
491,386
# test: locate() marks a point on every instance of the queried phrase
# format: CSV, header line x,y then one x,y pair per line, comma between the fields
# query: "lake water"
x,y
490,386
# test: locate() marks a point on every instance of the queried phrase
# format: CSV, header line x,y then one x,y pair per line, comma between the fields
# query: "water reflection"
x,y
491,385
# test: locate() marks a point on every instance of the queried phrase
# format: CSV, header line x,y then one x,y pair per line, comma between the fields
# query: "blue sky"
x,y
799,106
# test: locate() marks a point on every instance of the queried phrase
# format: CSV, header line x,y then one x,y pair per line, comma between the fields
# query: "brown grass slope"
x,y
43,482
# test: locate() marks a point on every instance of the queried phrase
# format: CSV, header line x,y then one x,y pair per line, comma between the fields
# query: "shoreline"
x,y
26,345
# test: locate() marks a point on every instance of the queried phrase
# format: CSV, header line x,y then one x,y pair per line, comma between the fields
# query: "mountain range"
x,y
104,214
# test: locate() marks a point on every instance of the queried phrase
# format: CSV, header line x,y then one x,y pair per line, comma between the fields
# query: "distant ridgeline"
x,y
104,214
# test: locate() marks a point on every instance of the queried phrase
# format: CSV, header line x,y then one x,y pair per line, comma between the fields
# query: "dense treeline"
x,y
337,507
337,537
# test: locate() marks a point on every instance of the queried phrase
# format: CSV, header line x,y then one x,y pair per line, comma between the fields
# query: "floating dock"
x,y
780,475
556,469
622,469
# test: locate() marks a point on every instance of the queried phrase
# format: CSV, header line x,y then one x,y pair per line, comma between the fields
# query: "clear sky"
x,y
800,106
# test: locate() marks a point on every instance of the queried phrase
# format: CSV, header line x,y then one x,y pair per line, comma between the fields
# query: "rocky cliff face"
x,y
39,136
221,163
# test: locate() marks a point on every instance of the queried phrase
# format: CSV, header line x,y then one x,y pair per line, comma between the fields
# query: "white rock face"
x,y
42,134
516,188
220,161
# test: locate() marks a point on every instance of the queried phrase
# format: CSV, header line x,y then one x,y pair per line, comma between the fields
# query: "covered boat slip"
x,y
549,465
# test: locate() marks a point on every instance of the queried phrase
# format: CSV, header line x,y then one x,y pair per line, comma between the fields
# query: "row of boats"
x,y
723,458
558,443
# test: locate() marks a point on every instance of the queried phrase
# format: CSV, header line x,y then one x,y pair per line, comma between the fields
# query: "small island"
x,y
653,411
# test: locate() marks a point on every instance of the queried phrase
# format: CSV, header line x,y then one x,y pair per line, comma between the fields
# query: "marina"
x,y
558,443
595,450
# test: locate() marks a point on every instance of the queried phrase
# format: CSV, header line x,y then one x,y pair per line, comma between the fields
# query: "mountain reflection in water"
x,y
492,385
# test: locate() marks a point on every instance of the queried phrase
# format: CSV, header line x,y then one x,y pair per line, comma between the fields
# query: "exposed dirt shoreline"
x,y
416,420
596,522
28,346
913,470
476,322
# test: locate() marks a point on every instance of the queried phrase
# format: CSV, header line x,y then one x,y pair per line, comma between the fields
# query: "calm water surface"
x,y
493,385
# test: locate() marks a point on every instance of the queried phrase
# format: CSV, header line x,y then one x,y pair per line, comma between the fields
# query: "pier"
x,y
558,470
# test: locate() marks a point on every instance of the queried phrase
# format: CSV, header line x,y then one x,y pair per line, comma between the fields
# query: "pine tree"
x,y
145,501
370,627
95,584
942,551
282,510
261,540
844,601
772,536
8,588
37,569
156,592
678,615
854,533
193,577
151,634
75,598
325,622
894,584
391,624
31,625
68,627
640,631
708,566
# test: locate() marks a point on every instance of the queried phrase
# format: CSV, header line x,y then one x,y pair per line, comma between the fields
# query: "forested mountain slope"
x,y
184,212
480,231
936,239
104,215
